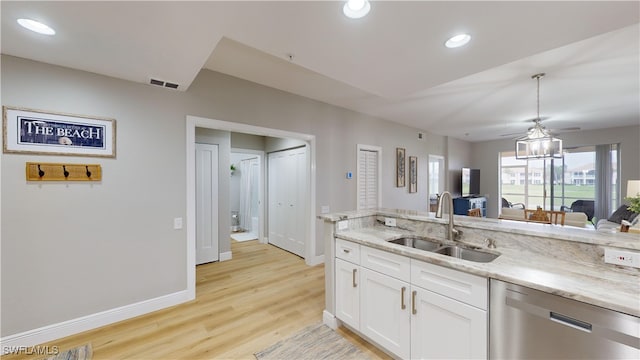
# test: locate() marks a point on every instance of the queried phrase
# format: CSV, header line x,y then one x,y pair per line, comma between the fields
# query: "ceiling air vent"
x,y
156,82
162,83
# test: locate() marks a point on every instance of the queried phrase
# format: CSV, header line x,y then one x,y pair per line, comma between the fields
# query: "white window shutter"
x,y
367,179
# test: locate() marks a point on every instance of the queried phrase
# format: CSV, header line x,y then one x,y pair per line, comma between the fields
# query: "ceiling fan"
x,y
542,118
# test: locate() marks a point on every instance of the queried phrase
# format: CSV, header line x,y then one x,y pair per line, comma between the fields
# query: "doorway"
x,y
245,191
436,180
311,249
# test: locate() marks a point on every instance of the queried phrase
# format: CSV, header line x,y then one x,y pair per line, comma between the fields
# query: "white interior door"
x,y
287,205
206,203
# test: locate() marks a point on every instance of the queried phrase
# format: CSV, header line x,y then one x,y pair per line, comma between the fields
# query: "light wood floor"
x,y
262,295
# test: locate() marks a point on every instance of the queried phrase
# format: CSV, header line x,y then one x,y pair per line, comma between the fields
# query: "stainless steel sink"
x,y
417,243
456,251
465,253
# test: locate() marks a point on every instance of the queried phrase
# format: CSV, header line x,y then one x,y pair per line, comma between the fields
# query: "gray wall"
x,y
484,156
95,247
272,144
247,141
71,249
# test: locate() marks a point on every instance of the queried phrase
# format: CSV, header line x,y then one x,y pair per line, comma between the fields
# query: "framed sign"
x,y
48,133
400,163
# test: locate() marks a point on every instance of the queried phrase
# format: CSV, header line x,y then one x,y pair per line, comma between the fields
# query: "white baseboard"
x,y
329,320
89,322
225,256
316,260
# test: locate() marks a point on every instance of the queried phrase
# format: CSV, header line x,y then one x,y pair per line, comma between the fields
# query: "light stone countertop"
x,y
568,233
592,284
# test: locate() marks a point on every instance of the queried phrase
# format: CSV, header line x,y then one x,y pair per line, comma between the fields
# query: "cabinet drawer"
x,y
467,288
348,251
387,263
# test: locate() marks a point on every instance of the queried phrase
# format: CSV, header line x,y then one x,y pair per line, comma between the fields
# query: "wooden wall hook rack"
x,y
63,172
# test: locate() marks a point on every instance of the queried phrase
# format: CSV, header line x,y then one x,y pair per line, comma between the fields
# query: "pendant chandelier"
x,y
538,143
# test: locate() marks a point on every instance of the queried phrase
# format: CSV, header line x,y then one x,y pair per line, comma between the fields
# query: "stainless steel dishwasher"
x,y
531,324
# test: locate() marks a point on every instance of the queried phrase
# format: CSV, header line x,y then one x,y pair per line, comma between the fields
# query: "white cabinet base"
x,y
410,308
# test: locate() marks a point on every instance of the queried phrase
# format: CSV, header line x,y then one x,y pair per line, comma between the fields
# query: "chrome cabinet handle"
x,y
353,280
402,305
346,250
413,303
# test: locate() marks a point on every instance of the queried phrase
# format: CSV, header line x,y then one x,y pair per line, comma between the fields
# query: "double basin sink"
x,y
457,251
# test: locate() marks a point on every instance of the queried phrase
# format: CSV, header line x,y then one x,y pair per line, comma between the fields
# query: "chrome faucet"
x,y
452,233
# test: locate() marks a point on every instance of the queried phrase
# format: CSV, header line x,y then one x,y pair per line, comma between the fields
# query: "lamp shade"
x,y
633,188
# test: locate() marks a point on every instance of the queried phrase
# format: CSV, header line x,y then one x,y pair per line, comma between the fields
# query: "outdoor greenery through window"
x,y
555,184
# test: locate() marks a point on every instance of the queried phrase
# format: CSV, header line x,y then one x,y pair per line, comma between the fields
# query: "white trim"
x,y
191,207
89,322
378,149
225,256
195,121
316,260
330,320
310,247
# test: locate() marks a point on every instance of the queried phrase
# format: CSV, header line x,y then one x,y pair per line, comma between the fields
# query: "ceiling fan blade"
x,y
513,134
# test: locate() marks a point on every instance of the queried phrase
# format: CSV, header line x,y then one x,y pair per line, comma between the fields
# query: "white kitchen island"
x,y
555,260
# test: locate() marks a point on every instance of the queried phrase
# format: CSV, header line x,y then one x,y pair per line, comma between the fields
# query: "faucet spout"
x,y
451,232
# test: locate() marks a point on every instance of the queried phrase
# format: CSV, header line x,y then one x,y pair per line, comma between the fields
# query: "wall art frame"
x,y
51,133
413,174
400,167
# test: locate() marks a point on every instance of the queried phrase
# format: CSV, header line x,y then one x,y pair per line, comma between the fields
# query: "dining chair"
x,y
556,217
477,212
545,216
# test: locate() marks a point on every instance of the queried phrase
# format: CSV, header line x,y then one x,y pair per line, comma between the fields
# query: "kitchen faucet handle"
x,y
491,244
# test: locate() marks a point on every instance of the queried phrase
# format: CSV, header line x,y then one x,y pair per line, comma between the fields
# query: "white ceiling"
x,y
391,64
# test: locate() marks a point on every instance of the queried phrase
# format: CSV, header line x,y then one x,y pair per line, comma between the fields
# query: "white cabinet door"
x,y
385,311
443,328
348,293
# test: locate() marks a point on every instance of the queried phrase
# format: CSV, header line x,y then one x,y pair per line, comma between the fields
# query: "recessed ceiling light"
x,y
457,41
36,26
356,9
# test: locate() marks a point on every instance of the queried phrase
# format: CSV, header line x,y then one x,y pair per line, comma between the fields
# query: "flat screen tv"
x,y
470,182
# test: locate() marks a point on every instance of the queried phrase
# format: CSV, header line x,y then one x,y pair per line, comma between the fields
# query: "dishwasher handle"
x,y
570,322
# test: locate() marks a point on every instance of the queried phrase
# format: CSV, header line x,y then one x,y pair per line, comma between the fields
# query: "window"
x,y
581,174
436,180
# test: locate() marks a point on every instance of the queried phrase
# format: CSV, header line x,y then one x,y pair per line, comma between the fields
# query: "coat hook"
x,y
40,172
66,173
88,172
